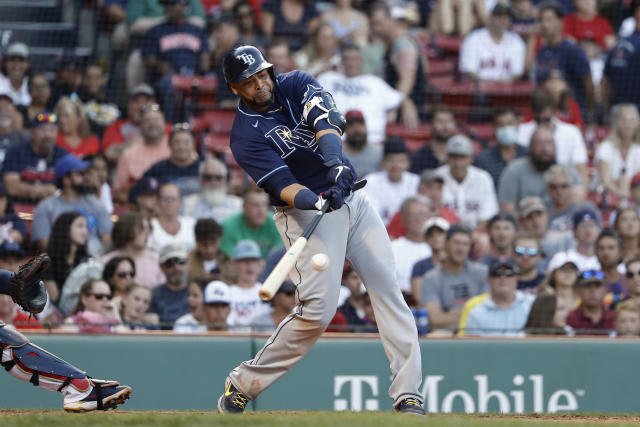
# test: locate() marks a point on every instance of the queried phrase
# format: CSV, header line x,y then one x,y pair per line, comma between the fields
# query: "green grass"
x,y
9,418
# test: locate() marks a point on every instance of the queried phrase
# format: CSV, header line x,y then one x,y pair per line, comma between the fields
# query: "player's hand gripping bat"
x,y
281,270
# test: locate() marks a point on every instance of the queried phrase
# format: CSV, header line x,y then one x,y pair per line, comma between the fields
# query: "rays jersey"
x,y
278,143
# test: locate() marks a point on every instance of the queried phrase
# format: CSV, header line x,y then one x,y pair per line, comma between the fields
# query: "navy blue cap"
x,y
69,163
458,228
394,145
10,247
503,216
502,262
144,186
585,215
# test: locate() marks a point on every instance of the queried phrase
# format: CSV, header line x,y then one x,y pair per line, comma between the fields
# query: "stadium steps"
x,y
30,11
39,34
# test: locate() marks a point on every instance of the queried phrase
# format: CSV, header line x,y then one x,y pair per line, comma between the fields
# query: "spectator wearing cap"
x,y
468,191
170,226
207,262
609,254
283,303
11,255
569,146
403,64
246,304
618,157
364,157
527,254
496,158
556,52
353,89
561,195
434,153
169,300
129,236
503,311
67,76
213,199
74,130
14,79
28,167
144,152
255,223
502,229
74,196
12,227
123,132
217,305
447,287
620,76
430,187
591,317
435,230
394,183
493,53
534,219
10,126
562,283
586,228
181,168
143,197
524,177
174,46
411,247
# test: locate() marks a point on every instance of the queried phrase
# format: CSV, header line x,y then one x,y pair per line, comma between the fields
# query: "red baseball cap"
x,y
354,115
635,180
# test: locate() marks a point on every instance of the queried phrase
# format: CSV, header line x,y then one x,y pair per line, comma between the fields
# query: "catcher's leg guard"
x,y
5,282
30,363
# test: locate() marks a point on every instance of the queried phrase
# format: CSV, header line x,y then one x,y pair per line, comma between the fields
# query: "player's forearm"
x,y
299,196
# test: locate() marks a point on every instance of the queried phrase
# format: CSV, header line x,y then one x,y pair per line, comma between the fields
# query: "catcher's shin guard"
x,y
30,363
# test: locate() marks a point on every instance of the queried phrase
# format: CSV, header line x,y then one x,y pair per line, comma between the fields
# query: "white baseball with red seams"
x,y
320,262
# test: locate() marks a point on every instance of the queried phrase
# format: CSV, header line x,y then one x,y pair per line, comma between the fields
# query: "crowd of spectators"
x,y
532,227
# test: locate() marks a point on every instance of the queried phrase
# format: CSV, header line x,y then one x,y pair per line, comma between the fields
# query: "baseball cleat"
x,y
410,405
232,400
104,395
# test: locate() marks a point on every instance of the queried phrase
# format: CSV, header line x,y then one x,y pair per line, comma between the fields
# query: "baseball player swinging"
x,y
287,137
28,362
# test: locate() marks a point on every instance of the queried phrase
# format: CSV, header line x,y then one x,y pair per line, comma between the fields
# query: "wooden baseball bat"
x,y
280,272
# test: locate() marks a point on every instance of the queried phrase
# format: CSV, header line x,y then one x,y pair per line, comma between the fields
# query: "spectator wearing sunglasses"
x,y
181,168
609,253
119,273
95,312
527,254
213,201
169,300
282,303
504,310
591,316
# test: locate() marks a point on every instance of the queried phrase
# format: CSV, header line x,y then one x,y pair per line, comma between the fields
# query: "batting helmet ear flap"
x,y
242,62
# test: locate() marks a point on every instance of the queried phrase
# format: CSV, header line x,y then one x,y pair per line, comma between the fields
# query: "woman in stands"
x,y
350,26
561,283
74,133
95,311
67,248
134,309
321,53
129,237
250,31
195,320
289,19
119,273
547,316
627,225
618,157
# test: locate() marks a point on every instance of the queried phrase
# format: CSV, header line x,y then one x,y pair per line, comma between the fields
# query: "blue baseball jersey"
x,y
278,143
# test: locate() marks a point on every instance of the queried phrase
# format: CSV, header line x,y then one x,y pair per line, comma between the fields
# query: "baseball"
x,y
320,262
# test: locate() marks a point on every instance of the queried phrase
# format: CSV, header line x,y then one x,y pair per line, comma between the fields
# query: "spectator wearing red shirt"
x,y
586,24
591,316
74,130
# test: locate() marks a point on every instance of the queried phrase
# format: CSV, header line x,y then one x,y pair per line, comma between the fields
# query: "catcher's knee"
x,y
10,337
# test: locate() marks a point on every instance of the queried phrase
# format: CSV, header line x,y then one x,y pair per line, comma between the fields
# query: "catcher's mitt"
x,y
27,290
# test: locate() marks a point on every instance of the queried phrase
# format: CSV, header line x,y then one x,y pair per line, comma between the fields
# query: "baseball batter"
x,y
287,137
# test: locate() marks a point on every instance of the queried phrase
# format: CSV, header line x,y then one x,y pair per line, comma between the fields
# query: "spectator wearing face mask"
x,y
495,159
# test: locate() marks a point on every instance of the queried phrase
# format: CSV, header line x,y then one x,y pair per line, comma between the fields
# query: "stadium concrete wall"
x,y
529,375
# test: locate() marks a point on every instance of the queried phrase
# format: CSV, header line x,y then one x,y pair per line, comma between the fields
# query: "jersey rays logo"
x,y
247,58
286,140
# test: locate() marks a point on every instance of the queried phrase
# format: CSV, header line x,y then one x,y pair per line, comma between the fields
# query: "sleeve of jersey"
x,y
264,166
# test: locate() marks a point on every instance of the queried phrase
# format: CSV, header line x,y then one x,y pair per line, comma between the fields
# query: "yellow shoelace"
x,y
239,400
412,402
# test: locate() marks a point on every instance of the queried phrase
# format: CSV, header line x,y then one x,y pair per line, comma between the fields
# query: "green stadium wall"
x,y
528,375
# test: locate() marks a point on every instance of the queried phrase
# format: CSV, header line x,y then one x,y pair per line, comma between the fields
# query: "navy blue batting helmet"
x,y
242,62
